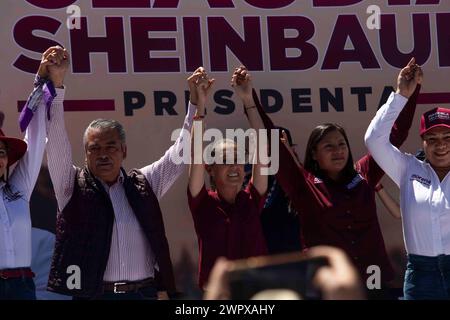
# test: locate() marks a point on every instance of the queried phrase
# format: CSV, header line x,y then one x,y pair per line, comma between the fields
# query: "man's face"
x,y
436,145
104,154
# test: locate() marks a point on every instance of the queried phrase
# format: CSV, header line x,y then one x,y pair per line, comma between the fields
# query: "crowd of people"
x,y
110,225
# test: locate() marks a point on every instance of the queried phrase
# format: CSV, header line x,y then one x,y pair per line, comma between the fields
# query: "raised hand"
x,y
408,78
339,280
204,85
199,86
241,81
285,140
54,65
218,282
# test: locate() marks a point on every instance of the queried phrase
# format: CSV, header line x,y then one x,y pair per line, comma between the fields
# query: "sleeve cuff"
x,y
398,98
191,110
60,92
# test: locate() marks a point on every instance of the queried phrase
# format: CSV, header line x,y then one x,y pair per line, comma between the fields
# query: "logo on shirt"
x,y
424,181
357,179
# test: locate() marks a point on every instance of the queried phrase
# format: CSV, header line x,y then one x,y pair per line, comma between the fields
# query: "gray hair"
x,y
217,150
105,124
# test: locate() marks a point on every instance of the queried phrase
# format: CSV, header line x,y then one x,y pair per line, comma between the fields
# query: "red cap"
x,y
437,117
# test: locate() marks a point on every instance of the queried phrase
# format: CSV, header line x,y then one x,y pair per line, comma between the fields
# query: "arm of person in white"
x,y
25,174
388,157
59,153
162,173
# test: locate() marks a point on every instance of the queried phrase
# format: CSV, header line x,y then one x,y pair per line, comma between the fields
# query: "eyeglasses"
x,y
3,153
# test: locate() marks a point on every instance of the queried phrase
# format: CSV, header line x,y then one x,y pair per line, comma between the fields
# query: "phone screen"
x,y
245,282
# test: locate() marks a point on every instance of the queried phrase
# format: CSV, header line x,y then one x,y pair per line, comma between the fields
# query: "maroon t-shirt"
x,y
227,230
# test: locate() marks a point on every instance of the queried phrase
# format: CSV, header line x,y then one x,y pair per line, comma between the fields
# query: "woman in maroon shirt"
x,y
227,219
335,196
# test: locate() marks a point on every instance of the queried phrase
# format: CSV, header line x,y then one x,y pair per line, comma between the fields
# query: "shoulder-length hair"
x,y
316,136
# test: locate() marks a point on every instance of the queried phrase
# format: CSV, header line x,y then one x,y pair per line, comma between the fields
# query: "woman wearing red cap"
x,y
425,193
16,186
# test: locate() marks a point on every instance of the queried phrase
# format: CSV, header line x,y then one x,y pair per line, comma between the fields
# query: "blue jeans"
x,y
148,293
17,289
427,278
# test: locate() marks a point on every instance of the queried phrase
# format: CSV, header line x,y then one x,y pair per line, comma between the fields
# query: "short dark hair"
x,y
105,124
315,137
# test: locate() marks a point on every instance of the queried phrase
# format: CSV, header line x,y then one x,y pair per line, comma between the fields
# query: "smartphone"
x,y
292,271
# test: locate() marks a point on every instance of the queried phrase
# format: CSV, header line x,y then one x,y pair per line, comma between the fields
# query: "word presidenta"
x,y
237,309
300,100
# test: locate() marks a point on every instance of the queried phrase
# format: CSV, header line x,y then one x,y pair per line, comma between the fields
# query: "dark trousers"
x,y
17,289
427,278
148,293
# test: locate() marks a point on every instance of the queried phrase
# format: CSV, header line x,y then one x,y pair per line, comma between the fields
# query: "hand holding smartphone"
x,y
293,271
322,272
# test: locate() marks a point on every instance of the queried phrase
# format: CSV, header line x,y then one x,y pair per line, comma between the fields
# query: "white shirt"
x,y
425,204
15,220
130,258
128,240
